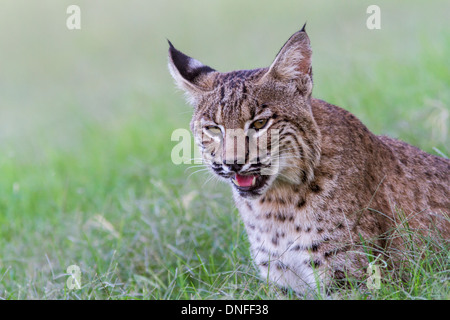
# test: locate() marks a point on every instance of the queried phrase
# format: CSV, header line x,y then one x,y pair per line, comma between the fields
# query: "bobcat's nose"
x,y
235,167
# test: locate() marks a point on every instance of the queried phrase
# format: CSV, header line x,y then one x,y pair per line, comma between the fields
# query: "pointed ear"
x,y
190,75
293,62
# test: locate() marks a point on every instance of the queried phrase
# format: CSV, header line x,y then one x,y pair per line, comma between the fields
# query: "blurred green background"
x,y
86,118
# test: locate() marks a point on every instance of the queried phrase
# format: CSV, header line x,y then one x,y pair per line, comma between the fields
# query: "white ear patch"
x,y
194,64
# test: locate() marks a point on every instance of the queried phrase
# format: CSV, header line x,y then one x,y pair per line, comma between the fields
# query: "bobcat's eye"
x,y
259,124
213,130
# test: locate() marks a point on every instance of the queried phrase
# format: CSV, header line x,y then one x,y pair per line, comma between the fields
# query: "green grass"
x,y
85,123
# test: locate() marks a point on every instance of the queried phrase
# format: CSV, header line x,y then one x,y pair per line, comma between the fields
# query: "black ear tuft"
x,y
303,28
188,67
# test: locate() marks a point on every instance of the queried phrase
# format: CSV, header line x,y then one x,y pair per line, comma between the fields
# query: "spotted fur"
x,y
337,188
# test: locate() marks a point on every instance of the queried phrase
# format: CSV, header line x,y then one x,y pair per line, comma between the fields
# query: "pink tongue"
x,y
244,181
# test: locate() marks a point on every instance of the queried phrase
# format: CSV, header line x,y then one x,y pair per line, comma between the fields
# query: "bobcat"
x,y
337,187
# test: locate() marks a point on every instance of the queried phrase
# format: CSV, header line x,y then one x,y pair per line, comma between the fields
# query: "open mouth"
x,y
249,184
244,181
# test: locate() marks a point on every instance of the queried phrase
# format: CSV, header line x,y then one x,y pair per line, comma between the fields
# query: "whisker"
x,y
201,170
209,179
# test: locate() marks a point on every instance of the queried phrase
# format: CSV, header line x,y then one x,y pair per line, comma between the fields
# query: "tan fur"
x,y
338,188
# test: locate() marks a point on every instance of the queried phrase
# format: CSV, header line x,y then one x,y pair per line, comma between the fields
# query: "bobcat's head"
x,y
255,127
